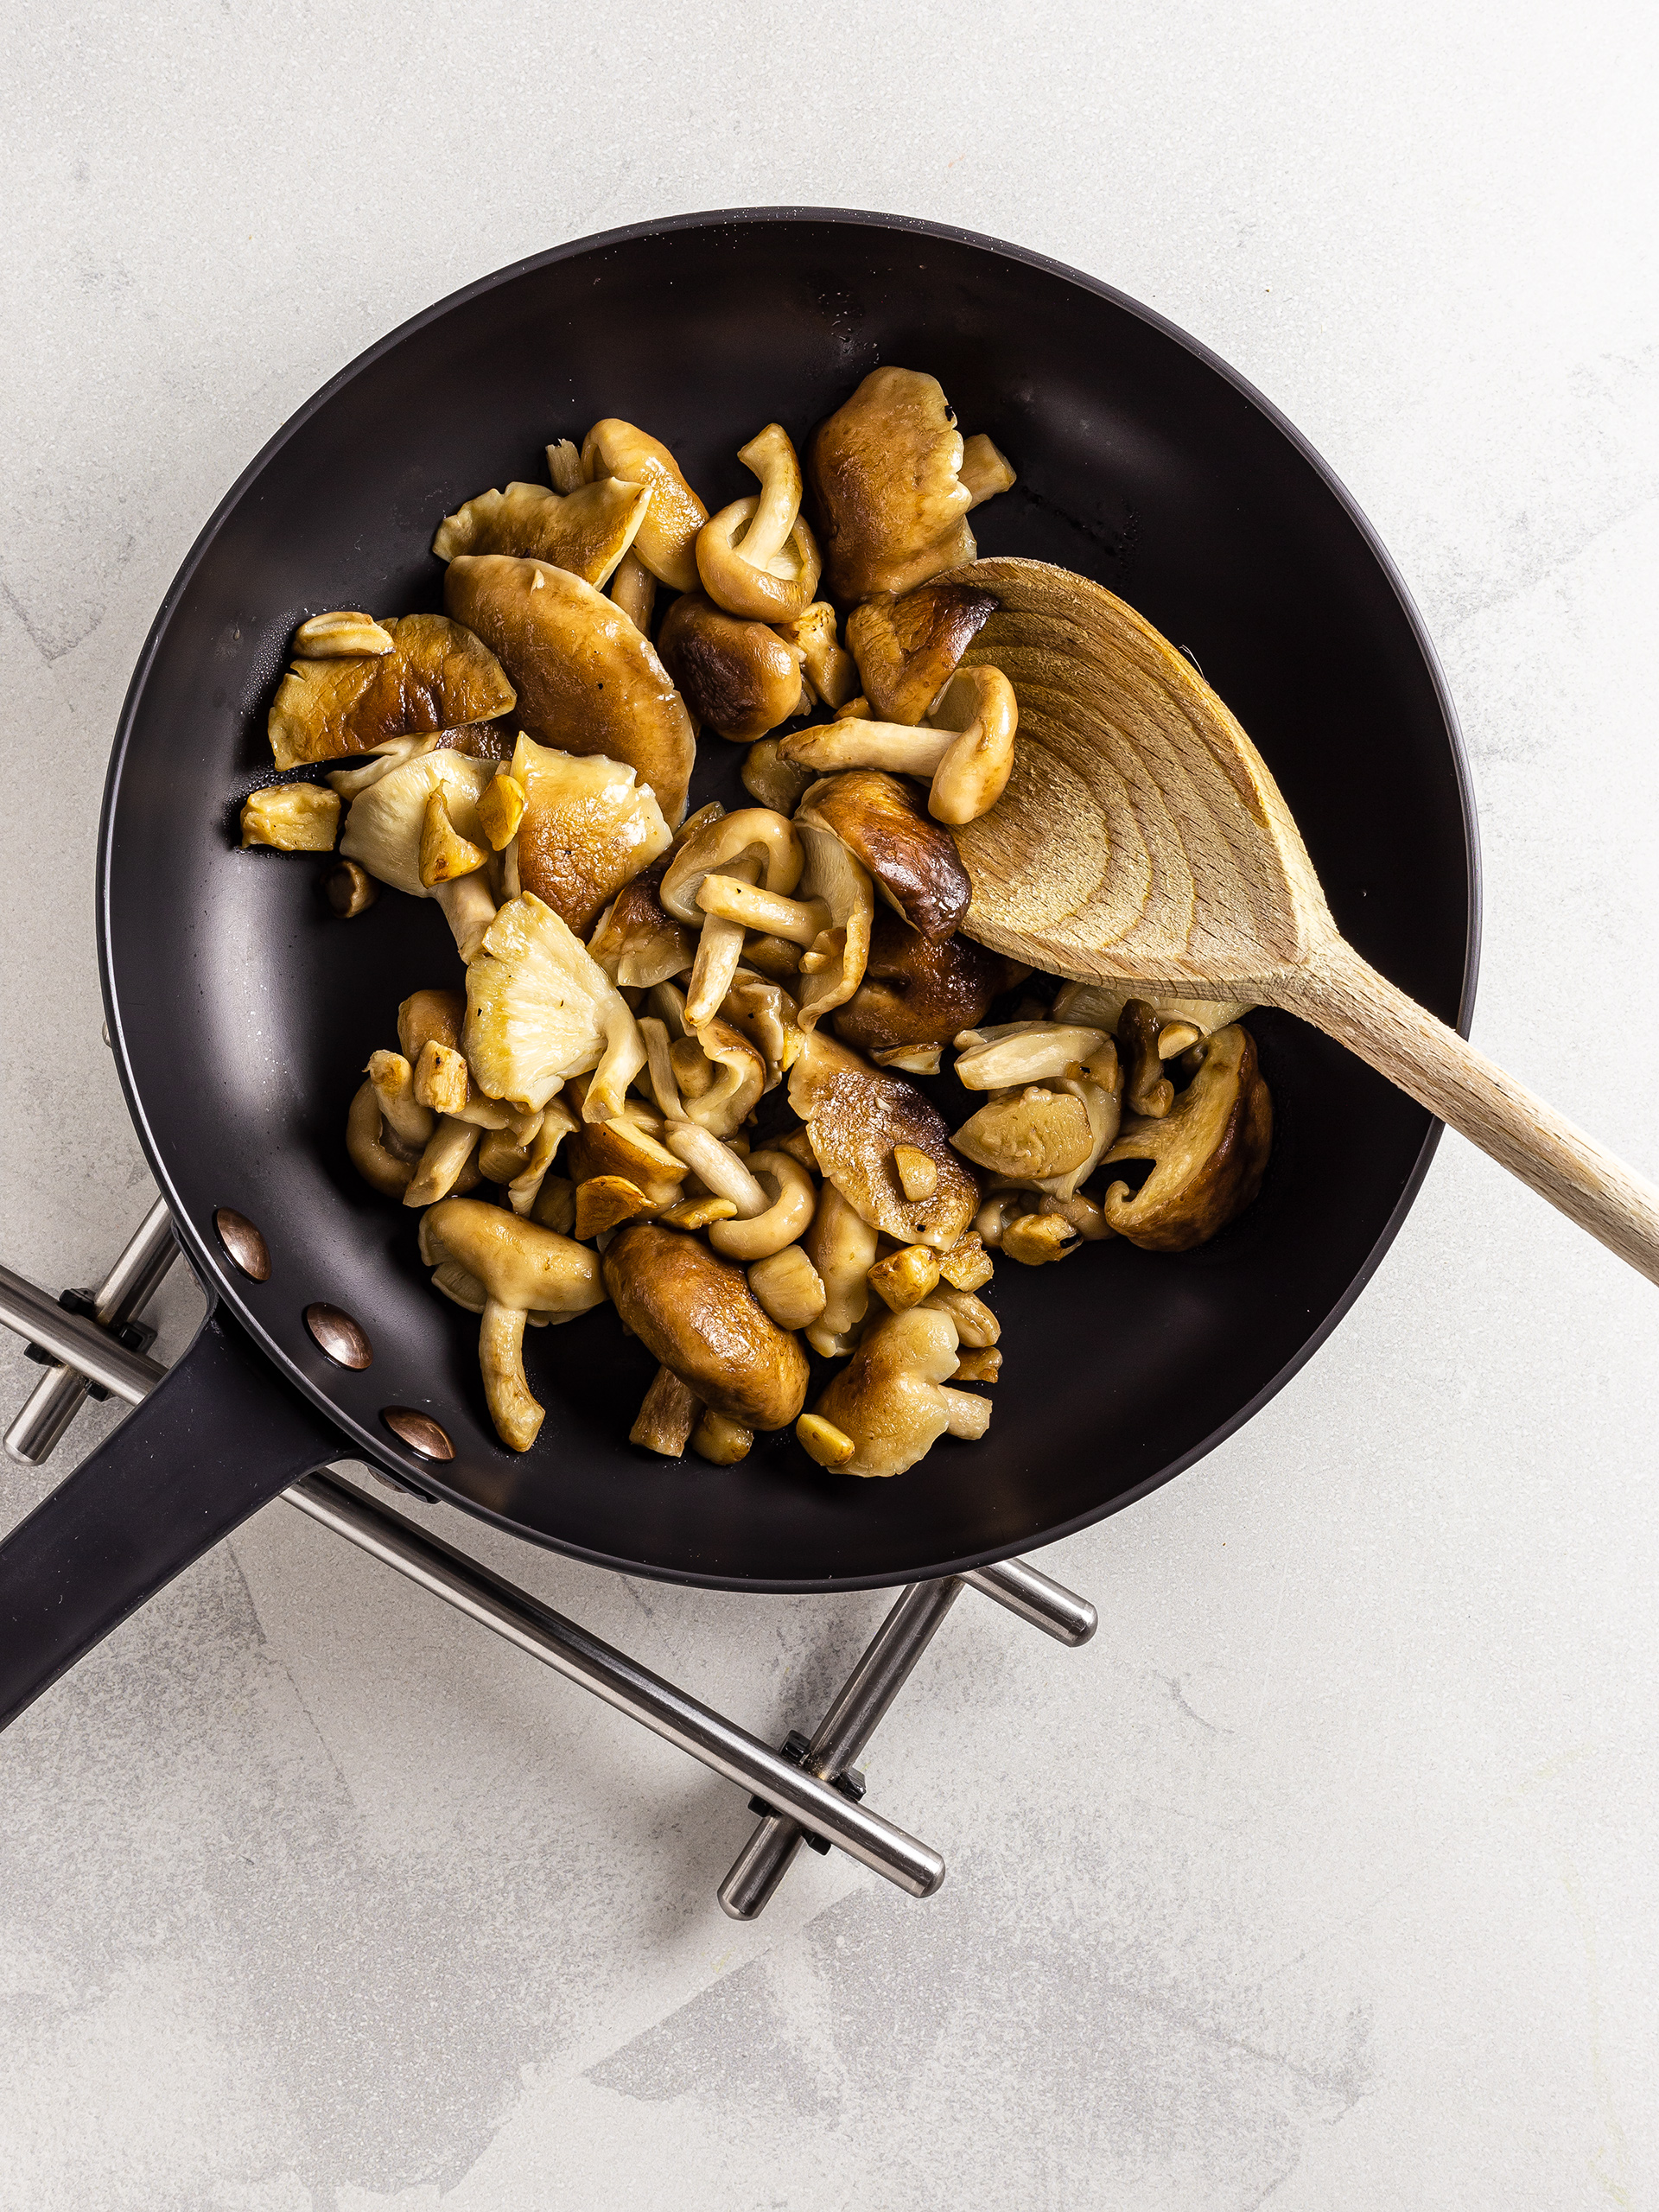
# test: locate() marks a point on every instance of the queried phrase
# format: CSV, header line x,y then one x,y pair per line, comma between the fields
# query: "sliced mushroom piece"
x,y
977,1326
841,1246
917,994
1031,1134
630,1146
790,1287
967,1266
445,855
793,1197
667,537
540,1010
501,809
585,532
985,469
735,675
763,1012
525,1268
589,828
1209,1153
564,465
830,668
719,1440
757,558
525,1187
638,943
667,1416
891,1398
348,782
437,676
918,1176
697,1314
911,859
603,1201
855,1115
349,890
292,817
1035,1239
347,634
588,681
721,1169
884,470
430,1017
908,649
904,1278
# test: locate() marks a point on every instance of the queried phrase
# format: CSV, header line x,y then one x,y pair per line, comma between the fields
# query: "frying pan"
x,y
241,1011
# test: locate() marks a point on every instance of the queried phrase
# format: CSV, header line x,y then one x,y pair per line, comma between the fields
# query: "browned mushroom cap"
x,y
855,1115
587,532
738,676
588,681
912,858
698,1315
588,828
430,1017
638,944
437,676
908,649
1209,1153
883,469
667,538
916,993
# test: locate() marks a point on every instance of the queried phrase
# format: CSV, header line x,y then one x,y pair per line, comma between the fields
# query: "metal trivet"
x,y
93,1344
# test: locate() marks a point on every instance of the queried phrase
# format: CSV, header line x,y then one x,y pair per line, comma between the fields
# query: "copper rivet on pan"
x,y
247,1249
419,1431
339,1335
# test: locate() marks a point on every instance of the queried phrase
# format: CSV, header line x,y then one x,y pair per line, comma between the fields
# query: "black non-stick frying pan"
x,y
242,1012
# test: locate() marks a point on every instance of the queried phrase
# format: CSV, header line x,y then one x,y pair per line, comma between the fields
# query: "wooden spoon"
x,y
1141,840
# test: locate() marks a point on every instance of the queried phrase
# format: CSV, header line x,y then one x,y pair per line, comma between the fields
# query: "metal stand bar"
x,y
570,1652
121,1297
807,1791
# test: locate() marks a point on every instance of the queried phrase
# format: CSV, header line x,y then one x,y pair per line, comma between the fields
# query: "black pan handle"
x,y
207,1447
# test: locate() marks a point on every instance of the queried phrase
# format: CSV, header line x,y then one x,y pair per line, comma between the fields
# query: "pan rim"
x,y
359,1441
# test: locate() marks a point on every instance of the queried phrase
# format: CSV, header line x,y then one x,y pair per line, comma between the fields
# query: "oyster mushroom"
x,y
524,1268
630,1146
829,668
634,589
697,1314
908,649
1209,1153
540,1010
736,1077
347,634
913,861
1033,1052
763,1011
757,558
892,1401
385,824
667,537
1030,1135
437,676
588,681
855,1115
586,532
1148,1091
292,817
832,967
750,841
917,994
737,676
588,828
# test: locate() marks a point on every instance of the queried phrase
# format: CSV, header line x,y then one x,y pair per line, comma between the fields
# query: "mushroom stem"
x,y
469,909
800,920
660,1068
720,947
634,589
442,1162
859,744
980,703
409,1122
965,1414
667,1415
770,456
787,1217
719,1167
374,1160
514,1410
624,1057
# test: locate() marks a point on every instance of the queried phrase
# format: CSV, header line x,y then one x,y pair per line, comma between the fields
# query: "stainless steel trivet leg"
x,y
807,1792
867,1693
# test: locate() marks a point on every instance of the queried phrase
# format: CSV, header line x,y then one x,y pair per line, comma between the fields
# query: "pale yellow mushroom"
x,y
977,1326
291,818
564,465
833,966
789,1287
830,668
893,1398
841,1246
443,1082
501,809
634,589
985,470
967,1266
558,1122
800,920
1030,1051
453,1144
786,1219
347,634
1101,1005
404,1114
540,1010
904,1277
1033,1239
721,1170
738,1072
752,842
667,537
967,750
375,1160
719,1440
445,854
773,780
918,1175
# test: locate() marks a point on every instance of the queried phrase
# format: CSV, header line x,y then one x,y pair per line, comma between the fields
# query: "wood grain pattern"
x,y
1143,839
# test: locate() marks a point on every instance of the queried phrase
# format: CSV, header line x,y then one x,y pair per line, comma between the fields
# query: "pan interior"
x,y
244,1013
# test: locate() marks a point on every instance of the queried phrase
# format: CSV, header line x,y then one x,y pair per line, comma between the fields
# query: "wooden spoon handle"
x,y
1340,994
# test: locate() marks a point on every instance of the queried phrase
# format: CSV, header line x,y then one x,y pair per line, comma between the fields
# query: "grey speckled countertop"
x,y
1326,1876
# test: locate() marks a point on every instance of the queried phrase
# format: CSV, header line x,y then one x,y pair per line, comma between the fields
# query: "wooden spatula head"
x,y
1140,838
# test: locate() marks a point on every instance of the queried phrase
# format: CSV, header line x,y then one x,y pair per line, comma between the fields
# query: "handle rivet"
x,y
419,1431
339,1335
244,1245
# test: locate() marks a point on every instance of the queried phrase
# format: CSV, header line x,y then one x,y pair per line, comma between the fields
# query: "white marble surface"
x,y
1326,1875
